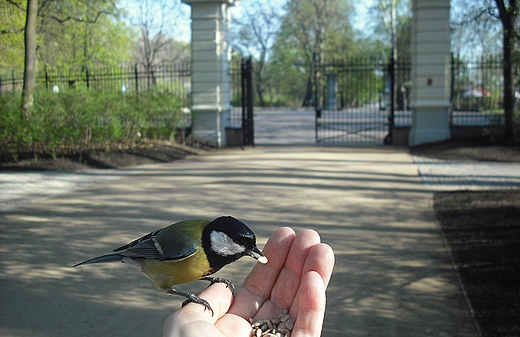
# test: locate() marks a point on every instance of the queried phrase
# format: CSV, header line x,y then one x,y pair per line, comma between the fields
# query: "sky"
x,y
183,29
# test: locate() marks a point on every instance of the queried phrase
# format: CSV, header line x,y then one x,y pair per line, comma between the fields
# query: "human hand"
x,y
295,278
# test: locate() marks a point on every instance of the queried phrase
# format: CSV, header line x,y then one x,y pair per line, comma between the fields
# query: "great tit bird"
x,y
187,251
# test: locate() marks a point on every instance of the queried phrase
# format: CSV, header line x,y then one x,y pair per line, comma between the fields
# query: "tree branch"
x,y
488,10
12,31
17,5
78,19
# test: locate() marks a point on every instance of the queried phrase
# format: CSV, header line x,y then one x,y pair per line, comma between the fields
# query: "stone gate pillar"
x,y
431,61
210,57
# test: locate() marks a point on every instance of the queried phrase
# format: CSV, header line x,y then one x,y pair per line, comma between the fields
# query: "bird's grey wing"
x,y
148,247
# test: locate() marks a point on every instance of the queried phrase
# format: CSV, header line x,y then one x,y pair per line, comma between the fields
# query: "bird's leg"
x,y
226,281
190,298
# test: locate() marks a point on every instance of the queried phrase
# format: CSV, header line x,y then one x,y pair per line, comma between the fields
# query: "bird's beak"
x,y
258,255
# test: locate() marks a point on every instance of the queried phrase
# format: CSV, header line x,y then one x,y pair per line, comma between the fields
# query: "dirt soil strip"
x,y
152,153
483,232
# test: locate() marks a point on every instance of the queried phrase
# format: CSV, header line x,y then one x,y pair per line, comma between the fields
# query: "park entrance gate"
x,y
354,102
241,117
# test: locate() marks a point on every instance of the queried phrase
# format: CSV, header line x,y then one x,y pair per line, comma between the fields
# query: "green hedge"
x,y
84,119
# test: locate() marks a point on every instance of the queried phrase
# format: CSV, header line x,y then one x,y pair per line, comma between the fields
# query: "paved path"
x,y
442,175
392,277
23,188
285,127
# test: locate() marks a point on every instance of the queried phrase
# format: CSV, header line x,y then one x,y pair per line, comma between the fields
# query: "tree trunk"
x,y
307,99
29,76
315,61
259,92
258,78
509,90
508,15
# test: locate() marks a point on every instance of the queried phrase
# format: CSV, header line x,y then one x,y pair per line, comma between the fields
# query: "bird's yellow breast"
x,y
165,274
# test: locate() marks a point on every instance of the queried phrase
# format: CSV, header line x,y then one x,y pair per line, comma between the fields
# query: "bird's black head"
x,y
226,239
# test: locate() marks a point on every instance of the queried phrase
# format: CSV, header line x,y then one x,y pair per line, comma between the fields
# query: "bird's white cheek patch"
x,y
223,245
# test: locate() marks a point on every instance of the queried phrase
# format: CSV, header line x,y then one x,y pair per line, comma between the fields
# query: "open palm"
x,y
295,278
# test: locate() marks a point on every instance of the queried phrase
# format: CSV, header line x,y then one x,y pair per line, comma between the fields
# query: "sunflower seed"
x,y
280,326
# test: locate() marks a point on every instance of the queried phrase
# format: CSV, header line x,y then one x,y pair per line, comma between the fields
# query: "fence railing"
x,y
477,88
168,78
351,100
235,74
358,99
241,115
476,92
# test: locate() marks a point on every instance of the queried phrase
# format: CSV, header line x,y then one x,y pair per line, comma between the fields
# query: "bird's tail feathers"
x,y
102,259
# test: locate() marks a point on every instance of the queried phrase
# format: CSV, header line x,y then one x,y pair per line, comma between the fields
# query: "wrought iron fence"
x,y
355,97
235,74
477,88
167,79
401,114
352,98
174,78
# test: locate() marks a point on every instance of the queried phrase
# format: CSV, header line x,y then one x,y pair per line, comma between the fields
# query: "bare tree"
x,y
484,20
316,29
256,33
475,28
388,10
392,23
156,21
306,25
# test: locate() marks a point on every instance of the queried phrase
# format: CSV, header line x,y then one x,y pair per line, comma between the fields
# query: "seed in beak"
x,y
262,259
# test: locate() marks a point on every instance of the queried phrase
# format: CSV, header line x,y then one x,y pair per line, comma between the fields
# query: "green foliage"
x,y
319,31
12,38
80,119
107,42
10,124
359,81
310,30
161,109
69,33
289,77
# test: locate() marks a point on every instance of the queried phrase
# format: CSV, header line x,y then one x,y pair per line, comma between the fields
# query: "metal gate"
x,y
353,100
242,99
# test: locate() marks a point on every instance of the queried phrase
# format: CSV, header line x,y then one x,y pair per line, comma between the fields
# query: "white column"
x,y
210,55
431,61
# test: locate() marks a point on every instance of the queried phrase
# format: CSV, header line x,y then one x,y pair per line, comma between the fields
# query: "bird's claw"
x,y
226,281
192,298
